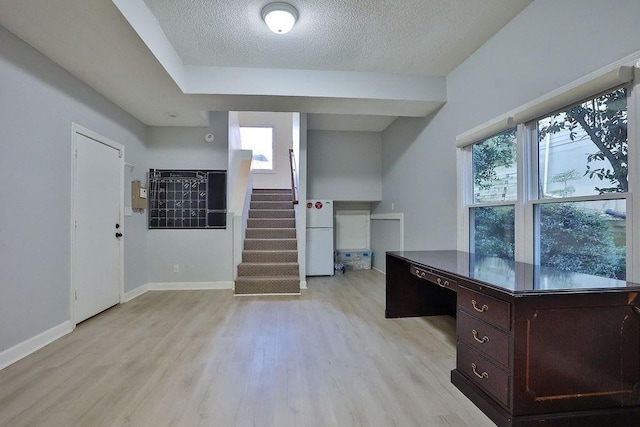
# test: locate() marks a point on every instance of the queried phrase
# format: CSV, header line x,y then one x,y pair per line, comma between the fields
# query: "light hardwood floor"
x,y
207,358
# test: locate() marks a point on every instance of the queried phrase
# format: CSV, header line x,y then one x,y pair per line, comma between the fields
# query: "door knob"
x,y
118,234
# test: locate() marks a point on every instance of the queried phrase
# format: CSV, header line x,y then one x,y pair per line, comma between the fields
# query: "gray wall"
x,y
548,45
202,255
39,101
234,153
385,236
345,165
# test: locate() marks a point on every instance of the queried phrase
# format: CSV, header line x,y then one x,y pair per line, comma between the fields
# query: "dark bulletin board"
x,y
187,199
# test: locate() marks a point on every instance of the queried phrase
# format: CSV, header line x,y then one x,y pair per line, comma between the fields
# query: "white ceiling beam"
x,y
148,28
313,83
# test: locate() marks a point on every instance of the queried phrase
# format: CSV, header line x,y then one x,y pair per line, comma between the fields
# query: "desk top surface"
x,y
513,277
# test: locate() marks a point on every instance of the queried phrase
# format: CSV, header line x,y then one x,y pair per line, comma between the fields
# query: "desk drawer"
x,y
443,282
483,338
485,374
489,309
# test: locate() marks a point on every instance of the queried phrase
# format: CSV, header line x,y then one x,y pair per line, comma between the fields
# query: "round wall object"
x,y
208,137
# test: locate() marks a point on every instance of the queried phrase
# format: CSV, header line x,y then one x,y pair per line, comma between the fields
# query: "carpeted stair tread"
x,y
271,205
271,222
270,285
272,213
270,233
273,197
270,244
271,190
265,269
270,256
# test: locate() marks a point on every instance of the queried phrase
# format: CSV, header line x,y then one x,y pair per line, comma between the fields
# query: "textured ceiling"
x,y
123,56
420,37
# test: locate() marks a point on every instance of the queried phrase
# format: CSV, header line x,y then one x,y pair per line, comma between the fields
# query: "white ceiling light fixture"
x,y
279,17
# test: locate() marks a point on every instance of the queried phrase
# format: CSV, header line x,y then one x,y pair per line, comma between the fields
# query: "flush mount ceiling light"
x,y
279,17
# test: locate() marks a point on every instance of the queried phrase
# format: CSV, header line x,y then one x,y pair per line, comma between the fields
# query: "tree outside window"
x,y
494,183
582,152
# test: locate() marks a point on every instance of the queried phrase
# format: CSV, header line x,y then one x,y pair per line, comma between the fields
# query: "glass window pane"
x,y
492,230
260,141
494,168
583,150
583,237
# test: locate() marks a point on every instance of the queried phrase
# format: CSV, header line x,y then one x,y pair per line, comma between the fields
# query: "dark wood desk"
x,y
535,346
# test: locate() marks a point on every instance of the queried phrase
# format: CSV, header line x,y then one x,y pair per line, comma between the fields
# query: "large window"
x,y
562,191
259,139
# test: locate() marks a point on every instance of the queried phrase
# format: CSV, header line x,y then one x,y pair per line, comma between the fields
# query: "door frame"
x,y
76,130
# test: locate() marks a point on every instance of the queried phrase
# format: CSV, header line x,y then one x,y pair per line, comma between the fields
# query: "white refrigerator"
x,y
319,238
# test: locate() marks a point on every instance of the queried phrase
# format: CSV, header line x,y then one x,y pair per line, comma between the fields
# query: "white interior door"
x,y
97,198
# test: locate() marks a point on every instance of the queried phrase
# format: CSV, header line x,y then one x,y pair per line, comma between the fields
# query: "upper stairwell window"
x,y
259,139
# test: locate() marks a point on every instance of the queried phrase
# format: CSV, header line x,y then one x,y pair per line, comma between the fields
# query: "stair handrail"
x,y
294,176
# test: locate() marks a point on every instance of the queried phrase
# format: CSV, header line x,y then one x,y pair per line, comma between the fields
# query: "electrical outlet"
x,y
176,268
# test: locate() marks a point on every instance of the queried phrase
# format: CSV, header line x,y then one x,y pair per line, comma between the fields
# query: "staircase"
x,y
270,256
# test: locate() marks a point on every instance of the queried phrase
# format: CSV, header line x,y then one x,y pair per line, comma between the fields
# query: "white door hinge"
x,y
75,295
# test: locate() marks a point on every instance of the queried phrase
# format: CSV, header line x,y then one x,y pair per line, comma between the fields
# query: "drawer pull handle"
x,y
420,273
482,375
480,340
484,307
442,284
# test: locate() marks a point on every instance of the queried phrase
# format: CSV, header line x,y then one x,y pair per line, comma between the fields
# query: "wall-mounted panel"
x,y
187,199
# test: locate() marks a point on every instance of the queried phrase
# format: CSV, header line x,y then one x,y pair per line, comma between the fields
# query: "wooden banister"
x,y
294,177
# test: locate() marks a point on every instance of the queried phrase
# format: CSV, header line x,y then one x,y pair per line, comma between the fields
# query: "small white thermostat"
x,y
208,137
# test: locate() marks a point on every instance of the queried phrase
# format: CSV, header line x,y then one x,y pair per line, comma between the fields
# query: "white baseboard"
x,y
303,284
188,286
289,294
33,344
128,296
176,286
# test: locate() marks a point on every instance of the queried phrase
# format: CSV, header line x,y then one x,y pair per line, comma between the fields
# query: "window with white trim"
x,y
259,139
555,191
